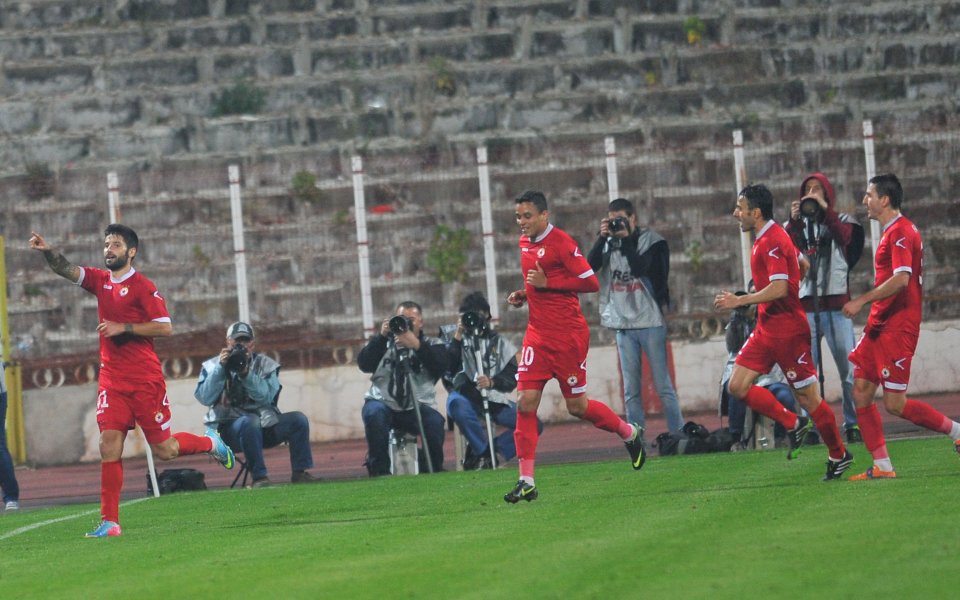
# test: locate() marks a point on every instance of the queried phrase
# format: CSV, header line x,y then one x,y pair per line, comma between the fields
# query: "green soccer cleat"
x,y
638,454
523,491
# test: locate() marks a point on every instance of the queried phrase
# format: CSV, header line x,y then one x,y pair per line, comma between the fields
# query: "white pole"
x,y
153,471
746,244
871,172
363,248
239,258
486,222
613,184
113,198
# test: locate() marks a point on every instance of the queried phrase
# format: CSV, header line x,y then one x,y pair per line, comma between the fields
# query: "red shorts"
x,y
562,357
884,358
762,351
122,405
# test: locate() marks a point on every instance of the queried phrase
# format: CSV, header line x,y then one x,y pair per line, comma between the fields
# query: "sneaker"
x,y
472,460
854,436
638,454
797,435
221,452
874,473
523,491
835,468
11,505
260,483
304,477
105,529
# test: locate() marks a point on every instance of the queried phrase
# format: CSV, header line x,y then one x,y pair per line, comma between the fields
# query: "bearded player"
x,y
131,390
557,338
782,335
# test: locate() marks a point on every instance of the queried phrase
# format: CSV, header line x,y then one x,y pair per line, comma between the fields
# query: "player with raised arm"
x,y
132,390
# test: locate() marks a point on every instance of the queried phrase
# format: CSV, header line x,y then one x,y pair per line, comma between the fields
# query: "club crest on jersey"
x,y
885,372
572,380
791,374
124,291
158,417
541,252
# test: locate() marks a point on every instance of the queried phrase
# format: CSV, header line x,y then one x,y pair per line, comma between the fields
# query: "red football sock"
x,y
190,443
602,417
111,481
871,427
927,416
826,424
526,437
764,402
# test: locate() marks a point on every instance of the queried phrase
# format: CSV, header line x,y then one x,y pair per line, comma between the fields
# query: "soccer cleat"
x,y
11,505
956,446
523,491
220,451
638,454
835,468
105,529
873,473
797,435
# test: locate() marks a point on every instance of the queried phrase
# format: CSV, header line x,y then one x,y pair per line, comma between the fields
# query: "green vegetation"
x,y
748,524
694,252
244,98
694,27
303,187
443,81
447,257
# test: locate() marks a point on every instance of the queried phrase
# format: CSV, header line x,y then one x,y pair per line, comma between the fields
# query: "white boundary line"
x,y
27,528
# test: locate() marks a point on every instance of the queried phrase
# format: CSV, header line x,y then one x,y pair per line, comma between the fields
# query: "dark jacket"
x,y
654,264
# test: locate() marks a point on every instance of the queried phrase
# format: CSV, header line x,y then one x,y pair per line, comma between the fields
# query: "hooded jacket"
x,y
834,231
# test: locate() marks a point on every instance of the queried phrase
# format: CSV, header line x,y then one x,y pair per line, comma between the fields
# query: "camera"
x,y
473,322
238,358
400,324
809,207
616,224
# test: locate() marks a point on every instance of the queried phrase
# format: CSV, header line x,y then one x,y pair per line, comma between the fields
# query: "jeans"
x,y
469,418
838,331
8,479
653,342
245,435
379,419
737,410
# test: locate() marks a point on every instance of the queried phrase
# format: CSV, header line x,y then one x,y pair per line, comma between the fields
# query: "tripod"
x,y
478,343
814,240
403,356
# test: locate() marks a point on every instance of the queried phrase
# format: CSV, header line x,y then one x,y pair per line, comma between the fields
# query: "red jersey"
x,y
133,299
774,257
556,308
900,251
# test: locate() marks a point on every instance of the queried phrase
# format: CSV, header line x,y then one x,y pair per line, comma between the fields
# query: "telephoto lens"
x,y
616,224
809,207
473,322
399,325
238,358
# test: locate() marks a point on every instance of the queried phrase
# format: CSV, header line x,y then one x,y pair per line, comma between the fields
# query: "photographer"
x,y
241,388
835,240
632,264
406,366
466,384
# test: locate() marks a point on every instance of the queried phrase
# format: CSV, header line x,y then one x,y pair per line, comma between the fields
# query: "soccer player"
x,y
131,390
885,350
782,335
557,338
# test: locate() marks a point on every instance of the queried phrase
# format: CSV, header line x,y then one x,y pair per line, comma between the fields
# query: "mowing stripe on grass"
x,y
27,528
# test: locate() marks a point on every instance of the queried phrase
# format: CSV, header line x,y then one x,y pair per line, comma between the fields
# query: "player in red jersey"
x,y
132,390
885,350
557,338
782,335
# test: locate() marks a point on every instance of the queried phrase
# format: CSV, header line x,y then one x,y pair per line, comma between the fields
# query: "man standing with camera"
x,y
483,371
833,241
406,365
241,387
632,265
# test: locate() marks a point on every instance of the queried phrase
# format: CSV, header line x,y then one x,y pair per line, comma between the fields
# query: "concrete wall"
x,y
61,426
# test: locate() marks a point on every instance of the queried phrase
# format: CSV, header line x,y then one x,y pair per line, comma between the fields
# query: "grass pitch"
x,y
741,525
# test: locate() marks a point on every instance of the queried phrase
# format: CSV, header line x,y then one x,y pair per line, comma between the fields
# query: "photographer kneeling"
x,y
469,386
241,388
406,366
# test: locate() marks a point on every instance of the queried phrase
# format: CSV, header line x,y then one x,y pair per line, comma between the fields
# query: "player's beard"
x,y
118,262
